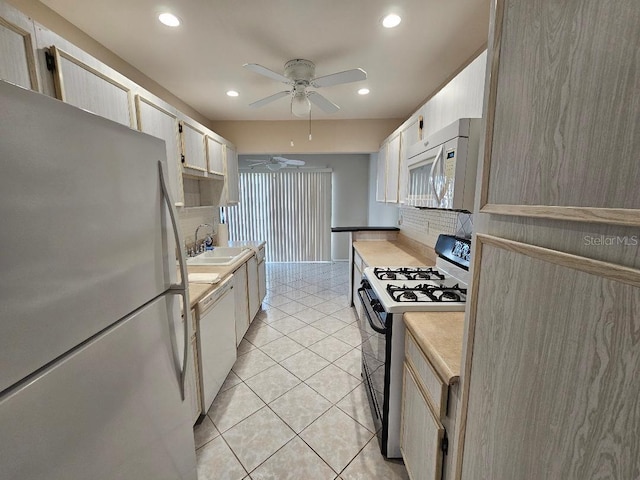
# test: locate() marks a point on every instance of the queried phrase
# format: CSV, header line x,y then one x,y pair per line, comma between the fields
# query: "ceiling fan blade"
x,y
289,161
256,161
254,67
269,99
348,76
323,103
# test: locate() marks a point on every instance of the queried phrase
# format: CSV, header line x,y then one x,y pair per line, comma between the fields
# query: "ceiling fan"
x,y
300,75
276,163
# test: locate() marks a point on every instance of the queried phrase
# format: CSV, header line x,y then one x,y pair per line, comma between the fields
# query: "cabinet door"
x,y
408,137
231,180
193,146
242,302
252,285
381,182
96,90
557,371
393,170
421,434
262,281
193,382
568,132
357,278
215,156
17,48
160,122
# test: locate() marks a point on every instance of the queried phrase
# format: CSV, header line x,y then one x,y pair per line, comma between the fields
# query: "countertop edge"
x,y
430,351
418,259
364,229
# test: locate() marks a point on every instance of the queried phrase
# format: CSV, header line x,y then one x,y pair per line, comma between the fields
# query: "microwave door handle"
x,y
181,288
436,193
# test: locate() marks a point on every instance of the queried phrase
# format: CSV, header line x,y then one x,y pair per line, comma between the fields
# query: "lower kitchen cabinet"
x,y
429,408
262,275
241,301
253,287
422,433
192,388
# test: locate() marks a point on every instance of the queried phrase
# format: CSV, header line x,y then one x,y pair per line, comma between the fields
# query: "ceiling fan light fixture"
x,y
392,20
274,166
363,91
300,105
169,19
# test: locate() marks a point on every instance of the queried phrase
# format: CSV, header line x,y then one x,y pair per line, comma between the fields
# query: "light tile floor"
x,y
294,406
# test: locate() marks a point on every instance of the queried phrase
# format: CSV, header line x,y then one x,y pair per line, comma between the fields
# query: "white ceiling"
x,y
202,59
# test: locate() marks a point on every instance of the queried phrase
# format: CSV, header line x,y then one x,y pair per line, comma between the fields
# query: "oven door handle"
x,y
366,311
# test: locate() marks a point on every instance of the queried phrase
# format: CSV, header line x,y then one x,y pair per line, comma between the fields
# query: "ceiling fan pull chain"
x,y
310,125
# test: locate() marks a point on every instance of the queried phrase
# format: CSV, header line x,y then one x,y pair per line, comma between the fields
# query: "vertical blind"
x,y
290,210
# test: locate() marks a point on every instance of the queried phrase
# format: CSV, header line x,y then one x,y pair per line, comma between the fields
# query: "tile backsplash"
x,y
424,226
190,218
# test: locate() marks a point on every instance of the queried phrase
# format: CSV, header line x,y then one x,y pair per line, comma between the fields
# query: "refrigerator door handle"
x,y
181,288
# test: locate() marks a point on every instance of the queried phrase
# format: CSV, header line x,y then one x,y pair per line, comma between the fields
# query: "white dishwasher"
x,y
216,340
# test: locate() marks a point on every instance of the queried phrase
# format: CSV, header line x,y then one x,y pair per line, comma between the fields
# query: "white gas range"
x,y
385,294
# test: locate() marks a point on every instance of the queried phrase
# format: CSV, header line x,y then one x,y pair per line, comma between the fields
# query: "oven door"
x,y
376,338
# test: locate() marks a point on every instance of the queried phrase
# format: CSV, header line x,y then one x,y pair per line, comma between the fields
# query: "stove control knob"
x,y
378,307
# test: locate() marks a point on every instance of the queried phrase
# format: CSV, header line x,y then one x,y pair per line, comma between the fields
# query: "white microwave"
x,y
442,168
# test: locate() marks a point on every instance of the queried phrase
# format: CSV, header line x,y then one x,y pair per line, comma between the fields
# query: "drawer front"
x,y
421,435
434,387
357,261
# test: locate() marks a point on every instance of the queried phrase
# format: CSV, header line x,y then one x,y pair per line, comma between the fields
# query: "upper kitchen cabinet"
x,y
159,119
96,88
215,155
552,122
393,170
17,49
193,147
232,181
410,135
381,182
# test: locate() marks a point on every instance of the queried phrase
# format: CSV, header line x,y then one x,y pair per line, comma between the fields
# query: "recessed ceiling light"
x,y
232,93
363,91
391,20
169,19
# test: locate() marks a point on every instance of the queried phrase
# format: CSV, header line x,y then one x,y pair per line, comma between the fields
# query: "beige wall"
x,y
329,136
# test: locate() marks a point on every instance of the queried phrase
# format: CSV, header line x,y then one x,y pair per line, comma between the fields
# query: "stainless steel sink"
x,y
217,256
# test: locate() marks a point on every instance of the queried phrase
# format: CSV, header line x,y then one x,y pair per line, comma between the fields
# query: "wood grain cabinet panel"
x,y
193,147
421,434
566,130
232,180
17,49
215,156
92,89
381,179
393,170
158,120
554,374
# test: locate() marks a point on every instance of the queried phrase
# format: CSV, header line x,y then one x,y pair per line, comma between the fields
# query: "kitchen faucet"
x,y
198,229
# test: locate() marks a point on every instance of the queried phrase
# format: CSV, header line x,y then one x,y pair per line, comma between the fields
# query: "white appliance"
x,y
92,347
216,340
442,168
386,293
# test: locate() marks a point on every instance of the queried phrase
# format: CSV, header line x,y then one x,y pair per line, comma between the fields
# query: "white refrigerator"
x,y
92,346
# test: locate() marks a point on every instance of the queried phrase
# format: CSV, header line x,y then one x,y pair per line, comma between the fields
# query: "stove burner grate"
x,y
427,293
405,273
